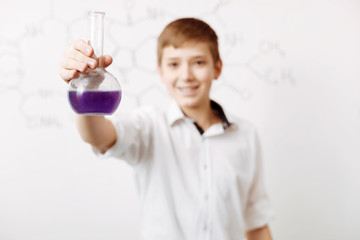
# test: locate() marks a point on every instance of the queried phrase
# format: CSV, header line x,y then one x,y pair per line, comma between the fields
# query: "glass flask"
x,y
96,91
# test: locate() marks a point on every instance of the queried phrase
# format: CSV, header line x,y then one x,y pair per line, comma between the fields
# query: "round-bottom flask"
x,y
95,92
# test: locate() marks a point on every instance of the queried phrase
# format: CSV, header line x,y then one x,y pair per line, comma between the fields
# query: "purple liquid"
x,y
95,102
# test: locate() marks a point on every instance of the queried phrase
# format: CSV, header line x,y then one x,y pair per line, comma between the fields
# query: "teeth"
x,y
187,88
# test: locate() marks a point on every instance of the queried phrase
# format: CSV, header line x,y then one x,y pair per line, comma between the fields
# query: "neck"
x,y
203,115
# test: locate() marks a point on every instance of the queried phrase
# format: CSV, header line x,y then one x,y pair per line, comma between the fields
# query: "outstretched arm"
x,y
259,234
97,131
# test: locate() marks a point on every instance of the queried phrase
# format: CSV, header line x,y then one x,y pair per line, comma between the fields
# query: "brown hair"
x,y
185,30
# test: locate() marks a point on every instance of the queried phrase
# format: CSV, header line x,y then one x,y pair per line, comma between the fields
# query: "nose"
x,y
186,73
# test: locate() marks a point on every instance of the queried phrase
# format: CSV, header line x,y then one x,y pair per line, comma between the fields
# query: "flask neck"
x,y
96,34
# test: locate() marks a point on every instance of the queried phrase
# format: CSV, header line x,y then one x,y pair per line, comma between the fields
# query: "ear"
x,y
218,68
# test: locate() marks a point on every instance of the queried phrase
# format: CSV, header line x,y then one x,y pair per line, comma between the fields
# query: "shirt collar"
x,y
175,114
219,110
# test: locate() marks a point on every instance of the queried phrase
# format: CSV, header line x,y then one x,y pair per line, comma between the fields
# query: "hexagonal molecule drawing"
x,y
130,38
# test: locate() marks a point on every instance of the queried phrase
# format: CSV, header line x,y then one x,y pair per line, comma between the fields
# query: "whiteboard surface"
x,y
290,67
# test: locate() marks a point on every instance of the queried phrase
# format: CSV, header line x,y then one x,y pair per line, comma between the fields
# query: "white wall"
x,y
291,67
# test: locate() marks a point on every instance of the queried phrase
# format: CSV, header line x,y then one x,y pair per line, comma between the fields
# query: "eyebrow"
x,y
194,57
171,58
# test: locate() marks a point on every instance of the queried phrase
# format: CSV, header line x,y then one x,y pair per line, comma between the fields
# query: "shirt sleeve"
x,y
258,211
133,137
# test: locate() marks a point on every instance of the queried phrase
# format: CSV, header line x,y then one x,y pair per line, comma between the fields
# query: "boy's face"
x,y
188,72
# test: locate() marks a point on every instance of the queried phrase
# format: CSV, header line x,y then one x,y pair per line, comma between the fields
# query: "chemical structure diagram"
x,y
131,41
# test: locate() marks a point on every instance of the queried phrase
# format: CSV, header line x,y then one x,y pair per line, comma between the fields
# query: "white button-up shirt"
x,y
191,185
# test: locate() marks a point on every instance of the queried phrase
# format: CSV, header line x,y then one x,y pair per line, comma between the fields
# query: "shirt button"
x,y
205,166
205,227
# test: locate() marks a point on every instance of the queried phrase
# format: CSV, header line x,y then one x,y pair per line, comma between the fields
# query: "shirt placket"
x,y
206,190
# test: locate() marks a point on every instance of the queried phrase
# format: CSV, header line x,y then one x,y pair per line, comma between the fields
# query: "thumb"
x,y
106,60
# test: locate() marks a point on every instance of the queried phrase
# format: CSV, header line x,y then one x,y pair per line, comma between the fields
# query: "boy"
x,y
198,170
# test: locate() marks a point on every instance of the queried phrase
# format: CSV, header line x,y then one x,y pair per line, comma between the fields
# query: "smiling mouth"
x,y
187,91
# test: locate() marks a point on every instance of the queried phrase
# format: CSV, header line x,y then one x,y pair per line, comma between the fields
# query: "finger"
x,y
67,75
83,47
106,60
71,64
80,57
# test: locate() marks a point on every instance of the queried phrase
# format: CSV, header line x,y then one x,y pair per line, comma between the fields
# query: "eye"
x,y
200,62
172,64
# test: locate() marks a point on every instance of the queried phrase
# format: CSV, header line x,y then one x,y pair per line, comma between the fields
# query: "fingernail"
x,y
92,63
88,50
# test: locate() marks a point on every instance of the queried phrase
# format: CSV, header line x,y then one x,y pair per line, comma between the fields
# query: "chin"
x,y
188,103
